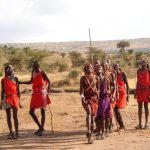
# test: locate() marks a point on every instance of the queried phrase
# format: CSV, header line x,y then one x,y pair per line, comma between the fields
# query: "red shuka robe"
x,y
40,96
143,85
121,102
11,92
90,95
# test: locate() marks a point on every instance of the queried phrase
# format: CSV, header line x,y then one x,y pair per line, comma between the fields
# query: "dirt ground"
x,y
69,128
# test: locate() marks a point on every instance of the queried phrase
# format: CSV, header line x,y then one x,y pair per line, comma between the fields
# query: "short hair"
x,y
145,60
86,65
6,67
35,62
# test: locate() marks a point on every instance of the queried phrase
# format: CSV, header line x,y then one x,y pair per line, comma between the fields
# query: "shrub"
x,y
49,68
60,83
63,67
73,74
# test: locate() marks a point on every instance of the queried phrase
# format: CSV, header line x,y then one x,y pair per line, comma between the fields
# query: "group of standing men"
x,y
10,97
104,90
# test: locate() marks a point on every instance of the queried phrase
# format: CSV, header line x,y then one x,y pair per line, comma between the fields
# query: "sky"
x,y
28,21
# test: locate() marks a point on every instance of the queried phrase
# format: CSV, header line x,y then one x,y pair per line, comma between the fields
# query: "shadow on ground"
x,y
58,140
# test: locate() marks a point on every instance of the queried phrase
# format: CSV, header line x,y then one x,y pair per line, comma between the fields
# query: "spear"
x,y
51,118
91,45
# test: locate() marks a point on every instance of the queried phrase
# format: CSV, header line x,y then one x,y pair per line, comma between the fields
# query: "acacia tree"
x,y
95,54
37,55
76,58
122,45
63,55
17,61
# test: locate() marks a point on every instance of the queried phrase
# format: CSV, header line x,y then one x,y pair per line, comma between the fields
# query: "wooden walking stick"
x,y
51,118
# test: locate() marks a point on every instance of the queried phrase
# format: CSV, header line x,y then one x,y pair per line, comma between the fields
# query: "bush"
x,y
60,83
49,68
65,82
63,67
73,74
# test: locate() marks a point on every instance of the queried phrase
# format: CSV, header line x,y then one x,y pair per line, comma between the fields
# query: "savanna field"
x,y
64,71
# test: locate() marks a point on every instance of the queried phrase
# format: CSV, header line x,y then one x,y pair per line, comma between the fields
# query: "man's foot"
x,y
40,133
102,137
89,136
98,137
36,133
138,127
146,127
16,135
106,134
110,131
90,141
122,128
11,136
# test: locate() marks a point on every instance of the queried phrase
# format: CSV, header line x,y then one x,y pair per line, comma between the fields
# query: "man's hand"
x,y
83,99
112,99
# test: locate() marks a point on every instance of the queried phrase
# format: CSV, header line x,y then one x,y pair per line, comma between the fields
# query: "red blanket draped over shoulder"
x,y
10,87
90,95
40,96
143,85
121,102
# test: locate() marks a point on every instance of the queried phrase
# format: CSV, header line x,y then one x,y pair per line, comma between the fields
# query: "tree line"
x,y
72,61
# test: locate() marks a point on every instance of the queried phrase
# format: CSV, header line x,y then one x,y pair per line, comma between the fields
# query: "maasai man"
x,y
98,72
104,109
113,91
97,67
143,91
89,84
40,98
10,96
123,95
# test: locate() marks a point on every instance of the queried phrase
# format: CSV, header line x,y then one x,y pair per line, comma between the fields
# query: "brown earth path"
x,y
69,126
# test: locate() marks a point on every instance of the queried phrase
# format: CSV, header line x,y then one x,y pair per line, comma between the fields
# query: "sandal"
x,y
40,133
98,137
36,133
10,136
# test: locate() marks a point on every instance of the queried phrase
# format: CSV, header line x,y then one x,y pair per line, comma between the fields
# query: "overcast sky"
x,y
69,20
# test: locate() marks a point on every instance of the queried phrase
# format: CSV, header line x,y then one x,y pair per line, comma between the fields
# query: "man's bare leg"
x,y
146,115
